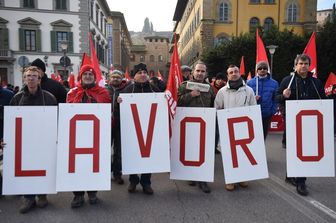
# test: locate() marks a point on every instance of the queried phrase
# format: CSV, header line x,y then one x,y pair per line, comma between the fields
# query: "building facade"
x,y
40,26
201,24
322,16
154,53
121,41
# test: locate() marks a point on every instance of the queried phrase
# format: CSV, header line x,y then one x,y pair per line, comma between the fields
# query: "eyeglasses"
x,y
262,68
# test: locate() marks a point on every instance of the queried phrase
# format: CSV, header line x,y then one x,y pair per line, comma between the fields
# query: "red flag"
x,y
159,75
58,78
310,50
85,59
71,80
95,63
242,67
249,76
328,87
174,80
127,76
261,52
53,76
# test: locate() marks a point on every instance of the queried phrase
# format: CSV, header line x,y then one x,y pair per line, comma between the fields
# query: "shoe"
x,y
302,189
147,190
192,183
93,199
118,180
229,187
42,201
77,201
217,151
27,205
291,180
131,188
204,187
243,184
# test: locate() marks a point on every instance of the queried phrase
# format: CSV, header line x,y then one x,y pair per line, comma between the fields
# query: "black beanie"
x,y
139,67
39,63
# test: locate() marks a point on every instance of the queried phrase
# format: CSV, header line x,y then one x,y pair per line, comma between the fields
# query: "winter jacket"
x,y
231,98
5,97
96,94
301,88
40,98
267,88
206,99
55,88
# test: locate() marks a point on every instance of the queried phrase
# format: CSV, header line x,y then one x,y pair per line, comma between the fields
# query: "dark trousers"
x,y
32,196
300,180
266,122
116,160
145,179
216,134
81,193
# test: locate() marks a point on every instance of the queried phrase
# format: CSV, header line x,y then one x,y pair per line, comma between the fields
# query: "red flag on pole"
x,y
159,75
328,87
261,52
71,80
310,50
127,76
95,63
174,80
242,67
249,76
53,76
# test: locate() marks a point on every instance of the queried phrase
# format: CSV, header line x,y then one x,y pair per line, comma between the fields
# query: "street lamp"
x,y
63,60
271,49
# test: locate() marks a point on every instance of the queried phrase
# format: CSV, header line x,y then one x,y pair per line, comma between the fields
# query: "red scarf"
x,y
99,94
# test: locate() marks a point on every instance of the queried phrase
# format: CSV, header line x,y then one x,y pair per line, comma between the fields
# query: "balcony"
x,y
6,55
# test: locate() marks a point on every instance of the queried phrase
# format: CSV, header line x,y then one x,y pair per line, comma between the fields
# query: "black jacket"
x,y
55,88
41,97
140,88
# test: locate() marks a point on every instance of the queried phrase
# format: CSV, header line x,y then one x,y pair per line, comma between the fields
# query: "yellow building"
x,y
201,24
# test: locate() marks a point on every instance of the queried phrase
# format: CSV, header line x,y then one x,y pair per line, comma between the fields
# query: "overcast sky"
x,y
161,12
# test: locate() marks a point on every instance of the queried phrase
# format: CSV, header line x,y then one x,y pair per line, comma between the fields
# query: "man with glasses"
x,y
234,94
115,86
265,89
32,94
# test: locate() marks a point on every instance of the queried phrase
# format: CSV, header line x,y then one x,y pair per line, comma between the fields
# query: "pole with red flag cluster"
x,y
310,50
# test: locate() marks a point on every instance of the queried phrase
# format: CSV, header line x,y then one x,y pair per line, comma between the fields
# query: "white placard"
x,y
198,86
193,144
30,134
310,138
242,144
144,133
84,128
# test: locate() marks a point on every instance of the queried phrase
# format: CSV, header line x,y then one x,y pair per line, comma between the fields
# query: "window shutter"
x,y
21,39
4,39
38,40
53,41
70,40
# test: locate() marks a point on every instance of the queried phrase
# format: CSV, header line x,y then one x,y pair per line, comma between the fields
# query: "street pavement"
x,y
268,200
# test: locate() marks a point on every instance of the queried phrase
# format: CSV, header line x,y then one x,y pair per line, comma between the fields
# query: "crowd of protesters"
x,y
227,90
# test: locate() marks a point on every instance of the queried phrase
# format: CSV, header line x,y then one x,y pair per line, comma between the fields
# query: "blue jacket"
x,y
267,88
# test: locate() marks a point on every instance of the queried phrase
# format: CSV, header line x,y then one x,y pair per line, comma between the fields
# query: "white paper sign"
x,y
193,144
144,133
310,138
242,144
30,134
84,147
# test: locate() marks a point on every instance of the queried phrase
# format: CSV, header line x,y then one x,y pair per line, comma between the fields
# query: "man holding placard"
x,y
197,93
235,94
301,85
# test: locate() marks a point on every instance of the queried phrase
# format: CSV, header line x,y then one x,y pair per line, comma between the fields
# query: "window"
x,y
2,3
292,12
151,58
269,1
61,4
255,1
91,9
254,23
30,40
97,14
29,35
4,43
60,36
142,58
101,21
160,58
268,23
29,4
224,12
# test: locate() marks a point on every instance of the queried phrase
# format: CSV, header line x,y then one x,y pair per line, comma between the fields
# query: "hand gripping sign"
x,y
242,144
192,144
84,147
310,138
29,155
144,133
